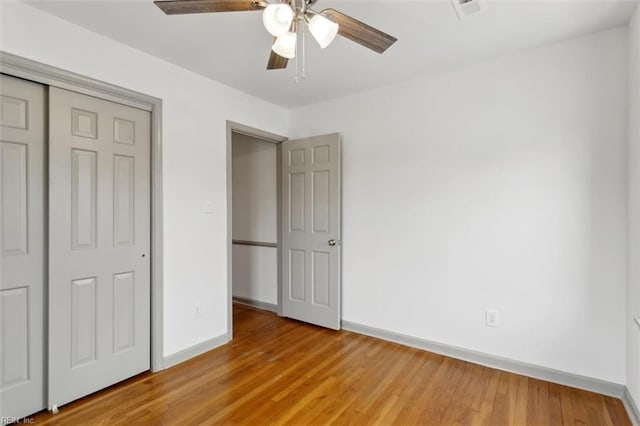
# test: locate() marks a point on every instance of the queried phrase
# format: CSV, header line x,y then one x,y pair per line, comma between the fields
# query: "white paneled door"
x,y
311,228
99,268
22,215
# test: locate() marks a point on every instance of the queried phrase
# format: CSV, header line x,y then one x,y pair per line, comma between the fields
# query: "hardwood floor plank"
x,y
440,392
401,391
383,376
521,391
278,371
504,402
555,405
538,403
486,407
460,406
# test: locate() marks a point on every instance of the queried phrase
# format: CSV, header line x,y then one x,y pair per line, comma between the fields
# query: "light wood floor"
x,y
281,371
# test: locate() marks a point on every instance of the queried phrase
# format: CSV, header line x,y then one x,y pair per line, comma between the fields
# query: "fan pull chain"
x,y
294,5
295,76
301,65
304,50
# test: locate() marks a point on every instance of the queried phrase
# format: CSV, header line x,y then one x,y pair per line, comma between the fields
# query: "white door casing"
x,y
311,230
99,268
22,266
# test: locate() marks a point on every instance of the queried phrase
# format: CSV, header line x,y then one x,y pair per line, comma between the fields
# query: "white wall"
x,y
255,218
633,289
255,191
500,185
255,273
194,142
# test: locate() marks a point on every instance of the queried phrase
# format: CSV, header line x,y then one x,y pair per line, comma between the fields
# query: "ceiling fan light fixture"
x,y
281,19
285,45
277,18
323,30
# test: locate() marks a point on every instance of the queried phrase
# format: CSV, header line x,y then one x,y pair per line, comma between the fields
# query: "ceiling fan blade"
x,y
277,62
360,32
179,7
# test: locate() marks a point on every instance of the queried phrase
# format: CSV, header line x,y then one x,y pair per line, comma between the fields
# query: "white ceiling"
x,y
233,48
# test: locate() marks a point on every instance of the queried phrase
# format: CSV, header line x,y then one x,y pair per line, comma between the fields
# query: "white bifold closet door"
x,y
99,268
22,268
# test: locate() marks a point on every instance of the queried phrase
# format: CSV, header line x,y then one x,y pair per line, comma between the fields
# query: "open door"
x,y
311,230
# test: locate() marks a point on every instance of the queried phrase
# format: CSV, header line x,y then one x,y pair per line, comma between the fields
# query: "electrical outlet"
x,y
197,310
491,318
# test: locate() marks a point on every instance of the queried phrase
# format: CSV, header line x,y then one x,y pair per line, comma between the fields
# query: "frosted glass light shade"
x,y
323,30
285,45
277,18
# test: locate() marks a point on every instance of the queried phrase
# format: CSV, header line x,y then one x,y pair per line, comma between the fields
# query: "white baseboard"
x,y
530,370
195,350
256,304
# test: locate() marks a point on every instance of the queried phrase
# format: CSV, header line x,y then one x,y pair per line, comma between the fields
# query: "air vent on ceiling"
x,y
467,8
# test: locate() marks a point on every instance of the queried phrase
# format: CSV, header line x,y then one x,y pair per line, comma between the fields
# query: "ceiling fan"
x,y
283,18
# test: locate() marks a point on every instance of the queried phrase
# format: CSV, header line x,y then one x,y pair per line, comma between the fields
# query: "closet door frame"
x,y
233,127
37,72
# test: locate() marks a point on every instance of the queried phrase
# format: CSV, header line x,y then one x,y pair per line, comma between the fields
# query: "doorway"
x,y
254,218
307,241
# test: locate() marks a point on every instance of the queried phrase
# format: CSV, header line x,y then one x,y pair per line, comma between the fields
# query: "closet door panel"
x,y
99,297
22,236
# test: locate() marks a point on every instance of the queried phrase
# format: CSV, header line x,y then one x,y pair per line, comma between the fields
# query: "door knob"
x,y
332,243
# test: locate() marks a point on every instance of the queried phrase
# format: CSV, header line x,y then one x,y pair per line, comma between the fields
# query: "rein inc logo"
x,y
17,420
